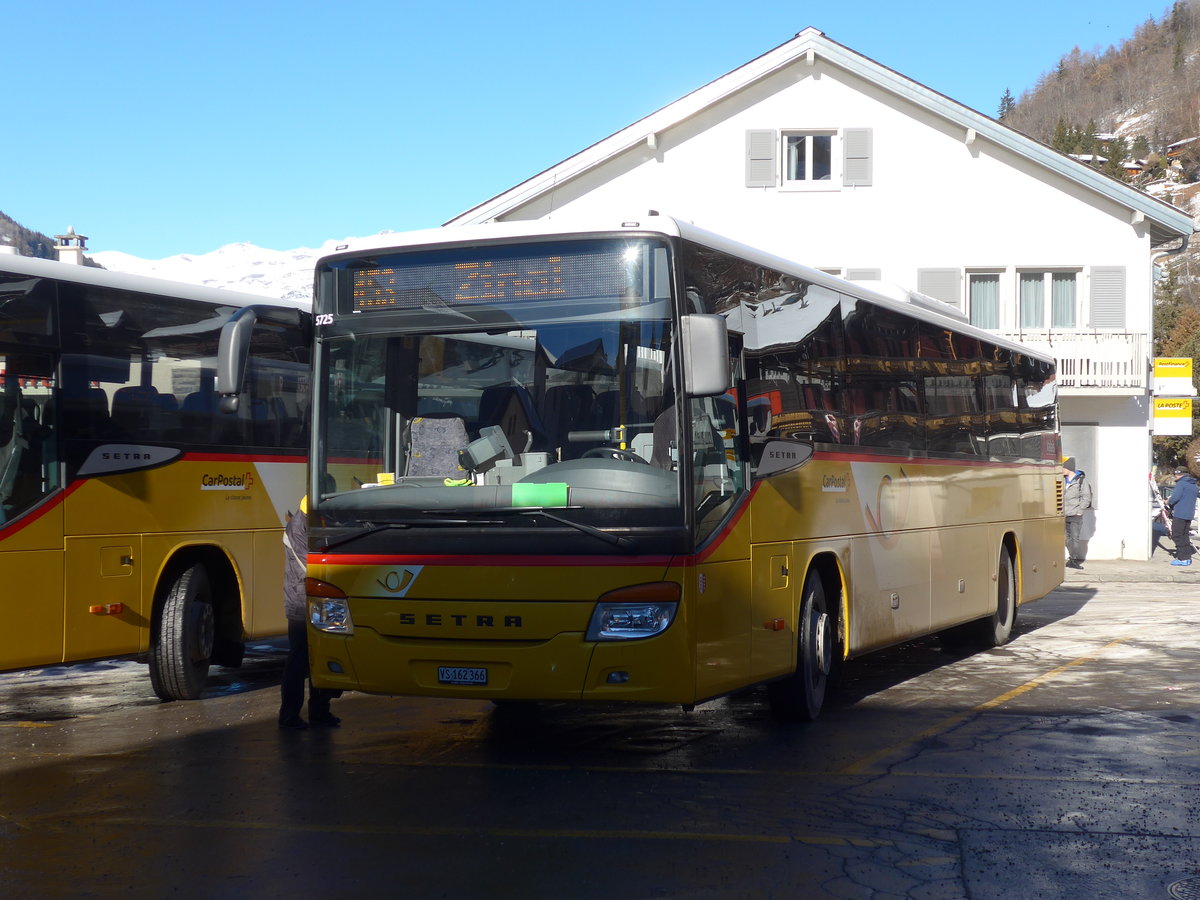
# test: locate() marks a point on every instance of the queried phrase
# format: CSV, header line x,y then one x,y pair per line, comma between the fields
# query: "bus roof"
x,y
885,294
46,268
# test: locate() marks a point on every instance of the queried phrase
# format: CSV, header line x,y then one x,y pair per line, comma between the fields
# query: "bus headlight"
x,y
328,607
332,616
641,611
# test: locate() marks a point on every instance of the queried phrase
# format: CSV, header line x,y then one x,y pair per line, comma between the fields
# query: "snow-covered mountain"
x,y
283,274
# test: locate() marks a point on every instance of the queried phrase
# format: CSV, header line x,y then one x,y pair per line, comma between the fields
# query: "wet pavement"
x,y
1063,765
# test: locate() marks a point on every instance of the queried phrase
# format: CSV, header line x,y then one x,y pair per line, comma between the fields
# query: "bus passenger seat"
x,y
433,446
133,409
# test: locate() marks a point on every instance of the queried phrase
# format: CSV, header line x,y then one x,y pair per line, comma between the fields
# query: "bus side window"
x,y
28,453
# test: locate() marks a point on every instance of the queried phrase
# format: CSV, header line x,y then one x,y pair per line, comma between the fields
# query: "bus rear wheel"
x,y
996,629
182,651
799,697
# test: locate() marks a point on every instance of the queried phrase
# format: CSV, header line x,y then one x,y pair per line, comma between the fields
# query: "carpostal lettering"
x,y
459,620
241,482
834,483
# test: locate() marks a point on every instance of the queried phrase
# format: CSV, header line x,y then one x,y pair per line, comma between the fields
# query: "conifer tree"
x,y
1006,104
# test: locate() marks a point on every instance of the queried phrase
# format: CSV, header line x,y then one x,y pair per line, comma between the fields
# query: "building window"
x,y
808,157
1035,288
984,299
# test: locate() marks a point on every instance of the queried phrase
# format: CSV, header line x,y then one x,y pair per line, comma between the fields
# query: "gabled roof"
x,y
1165,221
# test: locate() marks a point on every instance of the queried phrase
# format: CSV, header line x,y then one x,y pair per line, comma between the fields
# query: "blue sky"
x,y
163,128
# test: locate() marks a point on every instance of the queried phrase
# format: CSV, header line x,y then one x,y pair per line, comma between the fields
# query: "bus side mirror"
x,y
232,352
705,343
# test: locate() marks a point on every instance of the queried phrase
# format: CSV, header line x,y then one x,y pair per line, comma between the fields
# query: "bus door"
x,y
102,596
724,609
31,514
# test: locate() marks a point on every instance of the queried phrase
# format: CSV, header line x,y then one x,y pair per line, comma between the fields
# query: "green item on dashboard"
x,y
552,494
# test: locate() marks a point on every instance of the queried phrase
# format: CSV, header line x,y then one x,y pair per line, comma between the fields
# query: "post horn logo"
x,y
398,581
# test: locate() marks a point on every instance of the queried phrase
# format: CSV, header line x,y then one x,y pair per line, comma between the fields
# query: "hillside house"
x,y
807,152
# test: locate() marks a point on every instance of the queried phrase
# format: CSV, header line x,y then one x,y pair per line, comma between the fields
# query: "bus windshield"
x,y
531,376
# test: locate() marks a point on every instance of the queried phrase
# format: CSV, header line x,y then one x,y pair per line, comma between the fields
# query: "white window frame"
x,y
1048,278
833,182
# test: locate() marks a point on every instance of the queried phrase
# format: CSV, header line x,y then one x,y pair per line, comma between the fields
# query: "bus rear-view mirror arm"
x,y
705,343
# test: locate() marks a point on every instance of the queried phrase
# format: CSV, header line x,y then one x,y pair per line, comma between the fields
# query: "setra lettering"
x,y
458,620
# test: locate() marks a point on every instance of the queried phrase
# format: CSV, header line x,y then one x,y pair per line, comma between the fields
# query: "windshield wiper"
x,y
369,528
629,545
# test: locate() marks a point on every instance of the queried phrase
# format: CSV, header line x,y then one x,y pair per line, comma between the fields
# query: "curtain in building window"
x,y
796,161
985,301
1062,300
1033,294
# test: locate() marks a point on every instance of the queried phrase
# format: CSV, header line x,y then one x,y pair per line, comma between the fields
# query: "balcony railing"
x,y
1100,362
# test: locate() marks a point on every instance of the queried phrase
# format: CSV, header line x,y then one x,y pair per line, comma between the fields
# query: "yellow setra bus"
x,y
136,517
638,461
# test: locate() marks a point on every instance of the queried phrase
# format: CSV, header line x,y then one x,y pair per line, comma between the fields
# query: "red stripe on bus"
x,y
388,559
703,553
28,519
190,456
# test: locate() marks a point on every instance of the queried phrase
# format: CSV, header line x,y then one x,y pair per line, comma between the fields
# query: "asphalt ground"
x,y
1064,765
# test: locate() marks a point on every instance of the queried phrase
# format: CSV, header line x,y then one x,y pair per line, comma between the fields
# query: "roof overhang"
x,y
1163,222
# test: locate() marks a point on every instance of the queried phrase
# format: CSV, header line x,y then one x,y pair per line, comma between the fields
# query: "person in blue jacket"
x,y
1182,504
1077,500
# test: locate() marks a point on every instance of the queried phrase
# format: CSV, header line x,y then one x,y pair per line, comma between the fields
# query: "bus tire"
x,y
799,696
182,649
994,630
997,629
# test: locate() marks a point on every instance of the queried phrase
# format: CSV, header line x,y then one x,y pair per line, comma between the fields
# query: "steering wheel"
x,y
614,453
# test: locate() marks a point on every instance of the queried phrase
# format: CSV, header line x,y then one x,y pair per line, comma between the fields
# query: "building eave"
x,y
1162,221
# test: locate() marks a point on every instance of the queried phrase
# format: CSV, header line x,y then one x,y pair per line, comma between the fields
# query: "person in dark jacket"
x,y
1182,504
1077,499
295,604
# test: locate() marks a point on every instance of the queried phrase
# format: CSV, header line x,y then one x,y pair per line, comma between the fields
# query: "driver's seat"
x,y
434,443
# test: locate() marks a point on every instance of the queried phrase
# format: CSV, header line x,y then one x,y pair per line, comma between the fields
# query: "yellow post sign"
x,y
1173,376
1172,416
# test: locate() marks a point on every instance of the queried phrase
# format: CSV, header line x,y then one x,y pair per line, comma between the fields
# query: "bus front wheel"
x,y
182,651
801,695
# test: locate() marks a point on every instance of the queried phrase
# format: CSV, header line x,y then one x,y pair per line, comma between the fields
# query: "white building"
x,y
817,153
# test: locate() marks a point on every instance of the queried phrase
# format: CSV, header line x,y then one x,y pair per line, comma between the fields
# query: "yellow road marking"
x,y
861,766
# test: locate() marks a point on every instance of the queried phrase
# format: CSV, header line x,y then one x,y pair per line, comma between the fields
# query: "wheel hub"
x,y
822,645
204,630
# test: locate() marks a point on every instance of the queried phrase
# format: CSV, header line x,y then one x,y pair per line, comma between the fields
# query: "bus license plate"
x,y
461,675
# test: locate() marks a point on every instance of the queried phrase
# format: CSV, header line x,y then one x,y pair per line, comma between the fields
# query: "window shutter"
x,y
863,274
760,158
856,157
941,284
1108,297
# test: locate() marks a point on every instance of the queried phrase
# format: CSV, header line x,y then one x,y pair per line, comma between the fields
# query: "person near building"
x,y
1077,499
295,604
1182,504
